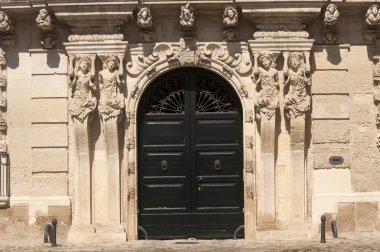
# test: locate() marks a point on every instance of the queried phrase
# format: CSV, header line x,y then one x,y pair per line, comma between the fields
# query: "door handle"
x,y
200,187
164,165
217,165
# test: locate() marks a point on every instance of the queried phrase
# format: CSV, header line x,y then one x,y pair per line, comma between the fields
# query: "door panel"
x,y
190,157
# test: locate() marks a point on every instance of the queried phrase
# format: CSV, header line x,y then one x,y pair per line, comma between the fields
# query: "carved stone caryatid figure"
x,y
81,101
266,77
145,21
372,19
45,23
296,68
230,21
187,17
329,23
111,101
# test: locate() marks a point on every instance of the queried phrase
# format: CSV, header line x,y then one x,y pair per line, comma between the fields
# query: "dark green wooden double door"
x,y
190,157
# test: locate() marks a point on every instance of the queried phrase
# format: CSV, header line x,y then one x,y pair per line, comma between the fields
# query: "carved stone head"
x,y
112,63
3,146
265,60
144,18
230,17
3,125
84,64
295,60
373,15
4,22
43,20
331,15
187,17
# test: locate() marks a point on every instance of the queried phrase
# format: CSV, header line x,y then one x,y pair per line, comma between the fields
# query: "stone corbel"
x,y
372,20
230,21
330,19
7,33
144,20
45,22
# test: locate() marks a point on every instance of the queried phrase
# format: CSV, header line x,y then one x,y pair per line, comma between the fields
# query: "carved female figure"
x,y
144,18
373,15
82,102
4,22
230,17
187,16
43,21
331,15
111,100
267,77
297,101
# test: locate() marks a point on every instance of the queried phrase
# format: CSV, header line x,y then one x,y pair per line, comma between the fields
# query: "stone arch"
x,y
138,81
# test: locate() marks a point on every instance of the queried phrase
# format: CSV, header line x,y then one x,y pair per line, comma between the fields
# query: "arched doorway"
x,y
190,157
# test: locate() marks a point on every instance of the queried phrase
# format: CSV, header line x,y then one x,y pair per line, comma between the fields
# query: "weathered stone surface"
x,y
47,86
360,69
323,152
331,58
362,109
345,218
330,82
49,184
365,215
49,110
332,181
45,135
49,160
330,106
331,131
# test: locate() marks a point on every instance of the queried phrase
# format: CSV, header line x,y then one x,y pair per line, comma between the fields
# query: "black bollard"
x,y
54,235
334,228
323,234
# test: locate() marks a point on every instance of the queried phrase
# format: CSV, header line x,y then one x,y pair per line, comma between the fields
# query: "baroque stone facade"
x,y
306,74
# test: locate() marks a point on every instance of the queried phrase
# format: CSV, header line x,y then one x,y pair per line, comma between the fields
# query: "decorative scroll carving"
x,y
45,23
249,166
131,193
249,192
144,21
296,68
111,102
81,73
238,62
95,37
131,143
249,116
131,167
249,142
329,24
266,79
140,63
230,21
7,36
372,19
3,147
187,17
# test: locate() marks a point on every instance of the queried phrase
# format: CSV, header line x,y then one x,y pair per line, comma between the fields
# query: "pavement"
x,y
362,242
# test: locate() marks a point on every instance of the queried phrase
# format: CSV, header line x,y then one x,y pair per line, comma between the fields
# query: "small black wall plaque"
x,y
336,160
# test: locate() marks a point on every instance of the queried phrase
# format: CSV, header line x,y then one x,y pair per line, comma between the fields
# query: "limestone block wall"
x,y
38,134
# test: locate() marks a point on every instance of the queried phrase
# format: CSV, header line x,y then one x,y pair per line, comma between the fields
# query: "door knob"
x,y
200,187
217,165
164,165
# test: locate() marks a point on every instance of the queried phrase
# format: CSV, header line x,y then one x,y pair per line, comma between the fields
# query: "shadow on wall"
x,y
53,59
